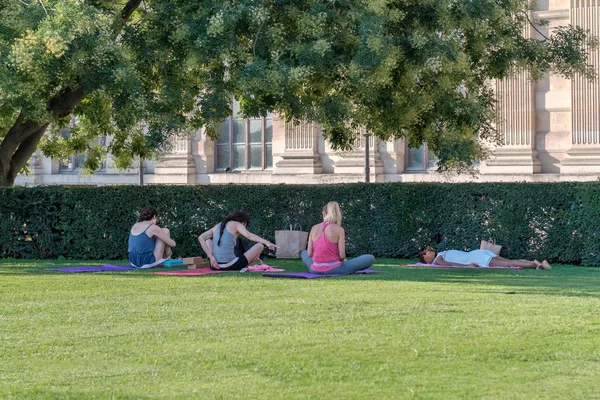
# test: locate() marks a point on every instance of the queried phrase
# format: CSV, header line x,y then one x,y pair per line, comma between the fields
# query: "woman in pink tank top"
x,y
326,253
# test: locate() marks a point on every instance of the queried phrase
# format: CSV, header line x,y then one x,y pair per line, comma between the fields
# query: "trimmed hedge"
x,y
556,221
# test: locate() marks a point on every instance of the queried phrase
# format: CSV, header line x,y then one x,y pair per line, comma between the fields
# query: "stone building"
x,y
551,129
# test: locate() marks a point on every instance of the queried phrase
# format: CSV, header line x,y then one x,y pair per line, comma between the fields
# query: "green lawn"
x,y
405,333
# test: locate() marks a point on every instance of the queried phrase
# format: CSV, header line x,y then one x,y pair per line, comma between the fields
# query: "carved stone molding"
x,y
353,161
551,15
300,154
177,166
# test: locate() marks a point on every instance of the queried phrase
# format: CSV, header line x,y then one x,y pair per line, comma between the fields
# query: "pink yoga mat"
x,y
455,266
208,271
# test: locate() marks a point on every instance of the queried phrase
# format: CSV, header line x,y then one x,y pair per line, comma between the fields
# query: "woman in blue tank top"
x,y
476,258
220,243
149,244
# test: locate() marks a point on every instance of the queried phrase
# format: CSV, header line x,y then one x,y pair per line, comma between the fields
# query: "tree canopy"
x,y
143,71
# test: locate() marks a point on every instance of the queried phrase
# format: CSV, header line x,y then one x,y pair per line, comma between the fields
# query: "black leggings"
x,y
242,262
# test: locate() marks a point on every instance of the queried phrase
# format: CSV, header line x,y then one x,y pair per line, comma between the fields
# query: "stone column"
x,y
203,151
36,167
300,154
353,162
392,155
178,165
584,154
516,125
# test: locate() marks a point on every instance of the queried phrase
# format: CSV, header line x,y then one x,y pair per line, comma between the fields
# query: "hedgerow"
x,y
556,221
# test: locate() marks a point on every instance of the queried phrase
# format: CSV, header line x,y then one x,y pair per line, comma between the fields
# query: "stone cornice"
x,y
552,14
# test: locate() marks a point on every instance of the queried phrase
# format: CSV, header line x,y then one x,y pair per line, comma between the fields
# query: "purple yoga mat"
x,y
105,267
308,275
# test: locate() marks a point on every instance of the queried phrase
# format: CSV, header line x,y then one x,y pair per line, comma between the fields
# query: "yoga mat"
x,y
308,275
208,271
105,267
191,272
455,266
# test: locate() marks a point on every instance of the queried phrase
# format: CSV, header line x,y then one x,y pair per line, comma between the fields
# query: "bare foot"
x,y
546,265
538,265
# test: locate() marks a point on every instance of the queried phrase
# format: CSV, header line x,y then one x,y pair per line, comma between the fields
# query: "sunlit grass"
x,y
404,333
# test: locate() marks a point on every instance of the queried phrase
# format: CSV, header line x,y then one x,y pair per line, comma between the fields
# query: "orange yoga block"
x,y
192,260
199,265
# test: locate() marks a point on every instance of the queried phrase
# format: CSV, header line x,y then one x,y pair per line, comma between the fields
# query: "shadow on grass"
x,y
565,280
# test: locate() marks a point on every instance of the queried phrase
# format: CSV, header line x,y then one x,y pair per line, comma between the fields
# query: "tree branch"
x,y
128,9
124,15
533,25
63,105
44,7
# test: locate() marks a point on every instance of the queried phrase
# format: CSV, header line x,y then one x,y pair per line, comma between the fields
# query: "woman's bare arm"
x,y
159,233
251,236
342,244
309,248
202,240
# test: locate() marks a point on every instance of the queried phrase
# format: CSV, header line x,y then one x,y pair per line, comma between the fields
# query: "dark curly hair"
x,y
147,213
238,216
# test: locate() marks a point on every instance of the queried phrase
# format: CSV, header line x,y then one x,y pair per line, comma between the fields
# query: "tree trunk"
x,y
17,147
22,139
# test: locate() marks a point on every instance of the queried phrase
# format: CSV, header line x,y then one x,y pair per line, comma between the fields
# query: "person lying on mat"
x,y
220,243
326,252
476,258
149,244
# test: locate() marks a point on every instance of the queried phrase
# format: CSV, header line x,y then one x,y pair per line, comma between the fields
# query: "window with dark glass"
x,y
420,159
245,143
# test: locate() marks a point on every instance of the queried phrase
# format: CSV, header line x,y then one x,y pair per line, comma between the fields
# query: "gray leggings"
x,y
347,267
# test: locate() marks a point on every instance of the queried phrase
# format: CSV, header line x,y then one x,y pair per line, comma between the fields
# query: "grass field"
x,y
405,333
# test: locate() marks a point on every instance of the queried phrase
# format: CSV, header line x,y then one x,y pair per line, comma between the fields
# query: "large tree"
x,y
142,71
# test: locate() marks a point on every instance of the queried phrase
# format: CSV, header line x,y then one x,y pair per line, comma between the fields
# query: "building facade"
x,y
551,131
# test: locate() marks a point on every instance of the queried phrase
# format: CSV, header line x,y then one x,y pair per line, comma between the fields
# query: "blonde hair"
x,y
424,253
332,213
